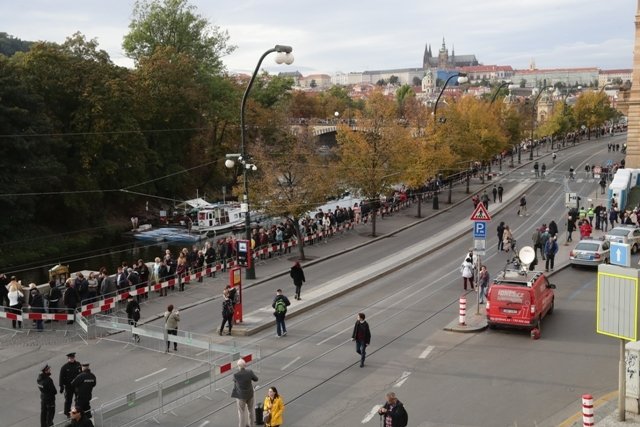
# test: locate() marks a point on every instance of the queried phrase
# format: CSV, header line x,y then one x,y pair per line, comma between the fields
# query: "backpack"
x,y
234,296
281,307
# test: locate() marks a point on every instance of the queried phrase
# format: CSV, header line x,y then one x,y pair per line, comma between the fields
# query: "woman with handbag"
x,y
16,301
273,408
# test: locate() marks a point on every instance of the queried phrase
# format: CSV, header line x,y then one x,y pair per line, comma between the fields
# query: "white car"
x,y
590,252
628,234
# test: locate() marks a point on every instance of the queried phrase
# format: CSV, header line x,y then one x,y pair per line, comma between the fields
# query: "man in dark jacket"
x,y
297,274
47,397
210,258
68,373
79,419
133,314
36,304
83,385
362,336
71,298
243,392
53,295
4,299
393,412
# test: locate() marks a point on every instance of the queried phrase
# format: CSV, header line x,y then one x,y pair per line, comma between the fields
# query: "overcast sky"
x,y
351,35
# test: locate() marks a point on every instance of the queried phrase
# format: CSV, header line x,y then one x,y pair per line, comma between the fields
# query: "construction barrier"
x,y
587,410
463,311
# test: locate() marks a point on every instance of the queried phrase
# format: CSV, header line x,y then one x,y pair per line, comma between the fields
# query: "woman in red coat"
x,y
585,230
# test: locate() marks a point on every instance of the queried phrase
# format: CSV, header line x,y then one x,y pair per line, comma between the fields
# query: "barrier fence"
x,y
104,304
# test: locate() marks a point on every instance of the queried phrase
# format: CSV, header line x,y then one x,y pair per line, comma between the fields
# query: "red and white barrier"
x,y
222,369
463,311
587,410
24,316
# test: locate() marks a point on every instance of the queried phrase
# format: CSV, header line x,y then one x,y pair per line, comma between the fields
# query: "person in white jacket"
x,y
467,272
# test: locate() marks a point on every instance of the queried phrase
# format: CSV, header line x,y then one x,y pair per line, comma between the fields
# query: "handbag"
x,y
266,416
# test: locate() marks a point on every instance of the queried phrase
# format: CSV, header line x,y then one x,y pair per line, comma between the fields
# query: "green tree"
x,y
373,158
417,81
592,110
403,94
393,80
175,24
9,45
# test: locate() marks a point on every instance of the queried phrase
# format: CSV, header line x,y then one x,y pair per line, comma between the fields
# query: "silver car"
x,y
590,252
628,234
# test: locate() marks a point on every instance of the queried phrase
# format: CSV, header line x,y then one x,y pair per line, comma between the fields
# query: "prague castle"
x,y
444,61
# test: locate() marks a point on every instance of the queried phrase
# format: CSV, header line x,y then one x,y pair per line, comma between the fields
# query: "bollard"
x,y
587,410
463,310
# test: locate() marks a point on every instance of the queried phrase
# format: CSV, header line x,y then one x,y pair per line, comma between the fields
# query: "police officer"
x,y
47,397
68,372
83,385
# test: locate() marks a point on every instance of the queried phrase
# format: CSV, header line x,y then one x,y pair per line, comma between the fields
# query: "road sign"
x,y
480,213
620,254
617,302
479,246
479,230
571,200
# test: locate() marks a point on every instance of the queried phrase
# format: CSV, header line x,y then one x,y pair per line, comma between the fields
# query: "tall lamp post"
x,y
503,84
462,78
533,120
284,56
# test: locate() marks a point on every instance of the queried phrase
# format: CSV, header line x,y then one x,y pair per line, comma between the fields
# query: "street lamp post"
x,y
462,78
284,56
533,120
503,84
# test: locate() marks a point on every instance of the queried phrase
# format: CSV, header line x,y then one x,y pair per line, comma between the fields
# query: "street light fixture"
x,y
503,84
533,120
462,78
285,56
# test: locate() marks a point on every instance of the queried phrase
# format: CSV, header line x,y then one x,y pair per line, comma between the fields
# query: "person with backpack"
x,y
227,310
133,314
280,304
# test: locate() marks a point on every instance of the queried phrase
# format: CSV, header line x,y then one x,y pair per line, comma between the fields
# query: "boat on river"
x,y
171,234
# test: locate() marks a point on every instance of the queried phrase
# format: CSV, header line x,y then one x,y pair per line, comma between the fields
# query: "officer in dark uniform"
x,y
68,372
83,385
47,397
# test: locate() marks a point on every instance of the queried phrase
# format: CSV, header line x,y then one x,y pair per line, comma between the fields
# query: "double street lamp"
x,y
284,56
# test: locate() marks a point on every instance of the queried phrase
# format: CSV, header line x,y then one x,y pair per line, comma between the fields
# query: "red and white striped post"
x,y
463,310
587,410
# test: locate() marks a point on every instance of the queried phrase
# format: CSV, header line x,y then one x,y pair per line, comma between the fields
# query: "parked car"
x,y
629,234
519,299
590,252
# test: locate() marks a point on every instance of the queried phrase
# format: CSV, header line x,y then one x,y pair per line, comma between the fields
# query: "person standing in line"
x,y
36,304
210,259
362,336
280,304
550,251
83,385
494,192
500,191
47,397
273,405
68,372
171,319
297,274
483,283
393,413
227,311
501,236
133,314
71,298
243,393
466,269
16,301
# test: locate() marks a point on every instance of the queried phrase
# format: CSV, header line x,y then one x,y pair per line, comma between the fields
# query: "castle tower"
x,y
443,55
633,133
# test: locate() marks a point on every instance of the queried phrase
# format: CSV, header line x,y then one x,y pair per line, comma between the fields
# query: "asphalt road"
x,y
486,379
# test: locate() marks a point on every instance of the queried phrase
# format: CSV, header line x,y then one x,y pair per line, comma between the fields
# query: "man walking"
x,y
522,209
280,304
297,274
393,413
133,315
47,397
83,385
494,191
68,373
243,392
362,336
500,191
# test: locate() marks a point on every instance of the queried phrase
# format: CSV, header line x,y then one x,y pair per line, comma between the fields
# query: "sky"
x,y
350,35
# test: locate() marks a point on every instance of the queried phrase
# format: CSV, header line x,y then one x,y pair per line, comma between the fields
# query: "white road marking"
x,y
372,413
204,423
403,378
426,352
332,336
202,352
290,363
151,374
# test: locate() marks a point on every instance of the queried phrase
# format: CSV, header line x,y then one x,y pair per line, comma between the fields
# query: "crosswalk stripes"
x,y
550,179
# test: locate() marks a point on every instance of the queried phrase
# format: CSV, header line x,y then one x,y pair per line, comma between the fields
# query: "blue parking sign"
x,y
479,230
